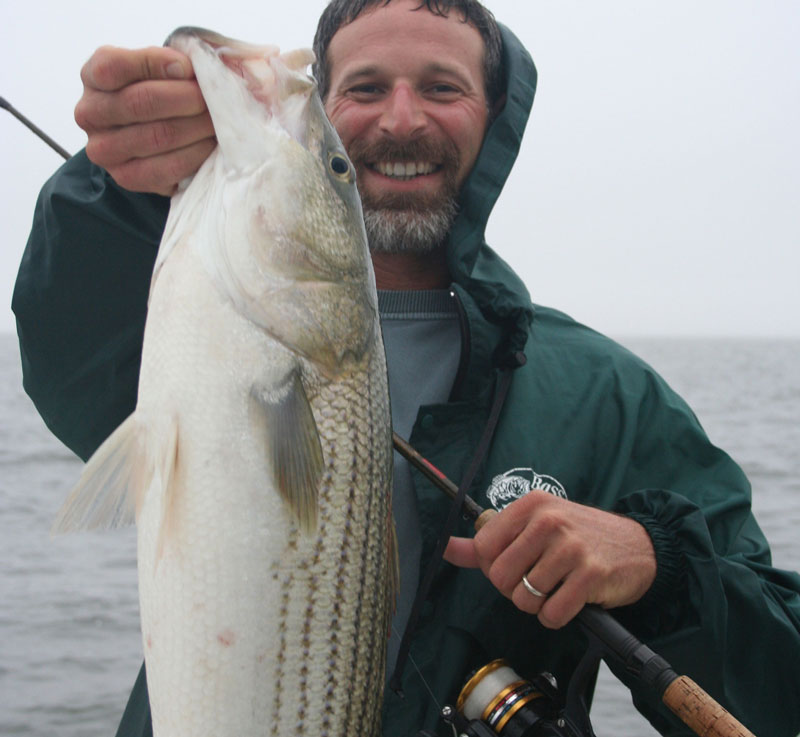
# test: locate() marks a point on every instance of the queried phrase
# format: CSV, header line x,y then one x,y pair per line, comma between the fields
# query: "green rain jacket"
x,y
581,410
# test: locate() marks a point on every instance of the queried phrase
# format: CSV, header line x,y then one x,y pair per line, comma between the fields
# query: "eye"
x,y
365,92
340,166
443,92
366,89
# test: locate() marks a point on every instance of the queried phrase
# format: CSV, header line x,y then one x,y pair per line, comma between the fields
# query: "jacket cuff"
x,y
670,564
660,609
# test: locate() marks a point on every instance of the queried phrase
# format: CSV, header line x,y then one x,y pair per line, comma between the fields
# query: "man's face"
x,y
407,99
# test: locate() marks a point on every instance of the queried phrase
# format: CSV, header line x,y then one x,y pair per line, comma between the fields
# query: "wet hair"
x,y
339,13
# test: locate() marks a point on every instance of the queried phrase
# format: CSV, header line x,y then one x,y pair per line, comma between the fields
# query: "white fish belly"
x,y
251,627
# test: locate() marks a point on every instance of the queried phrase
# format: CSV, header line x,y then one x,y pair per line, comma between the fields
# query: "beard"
x,y
408,222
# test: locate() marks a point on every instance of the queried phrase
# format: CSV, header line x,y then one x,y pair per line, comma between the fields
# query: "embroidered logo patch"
x,y
517,482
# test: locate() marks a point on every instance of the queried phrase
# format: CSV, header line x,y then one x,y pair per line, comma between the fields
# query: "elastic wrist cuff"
x,y
670,564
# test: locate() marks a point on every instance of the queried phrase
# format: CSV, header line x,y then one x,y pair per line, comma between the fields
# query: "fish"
x,y
257,462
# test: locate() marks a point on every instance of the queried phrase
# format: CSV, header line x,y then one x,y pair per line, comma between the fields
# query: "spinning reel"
x,y
497,702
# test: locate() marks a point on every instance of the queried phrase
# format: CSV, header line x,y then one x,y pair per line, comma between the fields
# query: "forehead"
x,y
385,35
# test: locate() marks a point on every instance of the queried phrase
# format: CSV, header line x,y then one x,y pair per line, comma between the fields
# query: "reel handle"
x,y
692,705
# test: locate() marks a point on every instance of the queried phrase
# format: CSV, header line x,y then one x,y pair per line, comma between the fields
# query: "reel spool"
x,y
510,705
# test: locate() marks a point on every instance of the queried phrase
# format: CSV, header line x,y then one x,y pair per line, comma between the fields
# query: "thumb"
x,y
460,551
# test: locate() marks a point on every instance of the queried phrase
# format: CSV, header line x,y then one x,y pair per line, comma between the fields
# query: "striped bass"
x,y
257,461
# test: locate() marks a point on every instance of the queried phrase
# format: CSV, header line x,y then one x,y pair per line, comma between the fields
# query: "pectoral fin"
x,y
294,450
111,484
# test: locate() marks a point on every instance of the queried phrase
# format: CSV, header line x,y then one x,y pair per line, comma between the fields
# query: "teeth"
x,y
404,170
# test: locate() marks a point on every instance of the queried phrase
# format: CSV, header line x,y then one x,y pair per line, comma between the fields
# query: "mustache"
x,y
441,153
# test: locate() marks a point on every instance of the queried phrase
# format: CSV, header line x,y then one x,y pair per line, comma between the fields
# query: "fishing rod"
x,y
6,105
608,640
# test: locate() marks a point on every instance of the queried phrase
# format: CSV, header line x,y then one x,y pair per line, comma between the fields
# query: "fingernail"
x,y
175,70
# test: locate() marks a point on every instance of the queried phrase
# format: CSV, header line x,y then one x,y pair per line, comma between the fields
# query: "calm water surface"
x,y
69,638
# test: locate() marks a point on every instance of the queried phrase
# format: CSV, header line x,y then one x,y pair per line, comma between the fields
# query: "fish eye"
x,y
340,166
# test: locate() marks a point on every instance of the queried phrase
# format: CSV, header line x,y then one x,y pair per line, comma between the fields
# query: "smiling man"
x,y
406,93
609,489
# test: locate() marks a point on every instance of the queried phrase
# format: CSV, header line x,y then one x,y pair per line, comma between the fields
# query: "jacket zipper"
x,y
463,361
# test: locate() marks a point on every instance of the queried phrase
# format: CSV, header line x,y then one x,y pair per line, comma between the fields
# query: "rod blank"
x,y
6,105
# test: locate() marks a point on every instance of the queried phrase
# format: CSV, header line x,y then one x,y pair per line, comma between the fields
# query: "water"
x,y
69,639
69,648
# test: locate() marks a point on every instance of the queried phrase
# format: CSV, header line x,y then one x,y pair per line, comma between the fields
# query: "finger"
x,y
570,581
515,561
140,102
113,147
541,533
111,68
501,531
560,560
161,174
563,604
556,563
460,551
526,600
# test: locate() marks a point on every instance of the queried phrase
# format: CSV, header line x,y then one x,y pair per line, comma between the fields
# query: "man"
x,y
431,100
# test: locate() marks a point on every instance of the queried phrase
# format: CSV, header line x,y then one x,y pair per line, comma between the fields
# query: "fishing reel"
x,y
497,702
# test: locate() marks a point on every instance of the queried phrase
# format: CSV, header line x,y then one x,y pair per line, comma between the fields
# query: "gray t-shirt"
x,y
422,338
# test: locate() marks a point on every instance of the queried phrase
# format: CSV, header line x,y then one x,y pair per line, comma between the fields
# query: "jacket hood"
x,y
499,292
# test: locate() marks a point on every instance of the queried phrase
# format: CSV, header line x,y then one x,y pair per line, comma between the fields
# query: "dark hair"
x,y
339,13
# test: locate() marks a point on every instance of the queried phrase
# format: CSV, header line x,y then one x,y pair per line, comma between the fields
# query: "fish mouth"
x,y
221,44
276,81
251,61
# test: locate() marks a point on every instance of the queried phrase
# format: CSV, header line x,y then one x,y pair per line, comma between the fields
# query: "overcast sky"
x,y
658,188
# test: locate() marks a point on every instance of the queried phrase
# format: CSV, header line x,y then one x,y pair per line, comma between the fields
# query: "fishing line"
x,y
419,672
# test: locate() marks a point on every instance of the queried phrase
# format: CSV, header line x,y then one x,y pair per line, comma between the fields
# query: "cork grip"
x,y
699,711
485,516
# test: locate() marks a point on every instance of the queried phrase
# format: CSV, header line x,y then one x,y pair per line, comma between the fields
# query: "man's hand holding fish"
x,y
145,117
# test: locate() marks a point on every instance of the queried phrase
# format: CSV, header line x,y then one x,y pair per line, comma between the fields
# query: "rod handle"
x,y
700,712
483,518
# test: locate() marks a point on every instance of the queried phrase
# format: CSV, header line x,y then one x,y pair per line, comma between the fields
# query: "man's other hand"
x,y
146,120
573,554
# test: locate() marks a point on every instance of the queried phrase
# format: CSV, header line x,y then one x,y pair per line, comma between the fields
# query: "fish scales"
x,y
339,645
257,463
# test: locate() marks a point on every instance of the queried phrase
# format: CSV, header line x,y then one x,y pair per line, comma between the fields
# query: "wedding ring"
x,y
532,589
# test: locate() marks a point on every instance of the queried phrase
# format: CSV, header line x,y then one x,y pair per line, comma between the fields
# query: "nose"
x,y
403,118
